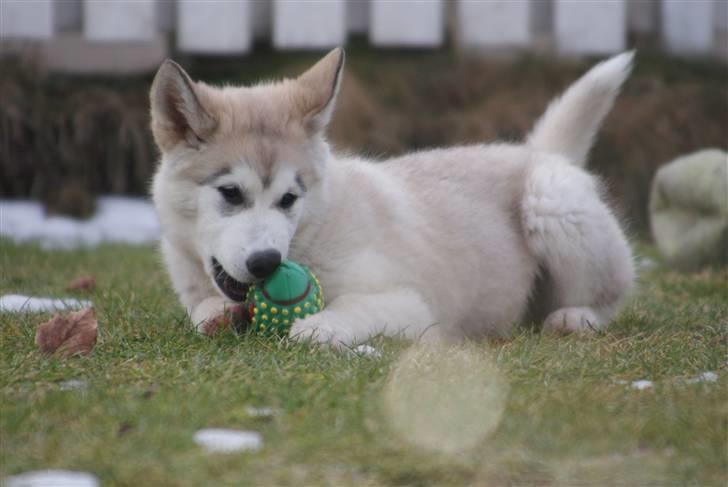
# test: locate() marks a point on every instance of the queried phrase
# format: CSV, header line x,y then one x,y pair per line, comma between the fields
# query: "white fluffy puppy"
x,y
446,243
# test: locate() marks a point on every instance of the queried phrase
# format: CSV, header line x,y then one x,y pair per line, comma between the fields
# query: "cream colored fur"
x,y
439,244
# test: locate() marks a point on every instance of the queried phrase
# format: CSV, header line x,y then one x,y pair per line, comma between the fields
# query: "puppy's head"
x,y
242,167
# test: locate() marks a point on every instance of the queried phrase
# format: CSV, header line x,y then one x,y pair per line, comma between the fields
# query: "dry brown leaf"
x,y
235,316
74,333
83,283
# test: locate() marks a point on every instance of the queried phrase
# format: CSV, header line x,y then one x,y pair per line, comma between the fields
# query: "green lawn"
x,y
570,418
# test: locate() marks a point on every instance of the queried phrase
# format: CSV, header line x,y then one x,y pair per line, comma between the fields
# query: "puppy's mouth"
x,y
231,287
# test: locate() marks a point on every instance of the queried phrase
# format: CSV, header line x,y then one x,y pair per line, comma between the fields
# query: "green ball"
x,y
290,293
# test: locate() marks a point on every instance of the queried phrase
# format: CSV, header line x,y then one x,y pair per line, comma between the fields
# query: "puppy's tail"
x,y
571,121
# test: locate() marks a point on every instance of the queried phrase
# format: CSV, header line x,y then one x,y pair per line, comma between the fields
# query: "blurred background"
x,y
75,75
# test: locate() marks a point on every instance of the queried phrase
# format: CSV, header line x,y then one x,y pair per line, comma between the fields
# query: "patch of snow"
x,y
52,478
117,219
704,377
17,303
641,385
263,412
219,440
367,350
72,385
646,263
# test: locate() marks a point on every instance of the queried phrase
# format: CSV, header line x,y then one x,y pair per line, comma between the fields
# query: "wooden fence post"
x,y
493,24
590,27
214,26
22,19
687,26
120,20
406,23
313,24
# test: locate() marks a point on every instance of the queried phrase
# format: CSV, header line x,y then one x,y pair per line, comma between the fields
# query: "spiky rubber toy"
x,y
291,292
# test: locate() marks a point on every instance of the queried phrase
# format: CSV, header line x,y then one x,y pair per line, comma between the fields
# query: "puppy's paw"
x,y
215,314
320,328
572,320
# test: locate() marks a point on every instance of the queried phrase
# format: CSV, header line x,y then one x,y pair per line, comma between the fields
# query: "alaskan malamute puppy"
x,y
439,244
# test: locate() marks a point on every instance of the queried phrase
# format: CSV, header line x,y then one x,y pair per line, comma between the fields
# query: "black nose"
x,y
262,264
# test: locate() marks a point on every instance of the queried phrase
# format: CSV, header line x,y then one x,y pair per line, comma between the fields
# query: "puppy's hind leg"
x,y
578,240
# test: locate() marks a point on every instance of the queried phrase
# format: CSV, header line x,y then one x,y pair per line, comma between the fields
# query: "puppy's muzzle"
x,y
231,287
262,264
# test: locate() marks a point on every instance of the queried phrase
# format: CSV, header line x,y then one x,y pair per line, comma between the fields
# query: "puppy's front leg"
x,y
215,313
354,318
208,310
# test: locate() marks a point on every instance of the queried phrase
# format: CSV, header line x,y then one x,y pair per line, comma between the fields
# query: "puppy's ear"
x,y
177,114
319,87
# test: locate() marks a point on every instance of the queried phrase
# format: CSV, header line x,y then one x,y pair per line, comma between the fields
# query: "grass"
x,y
152,383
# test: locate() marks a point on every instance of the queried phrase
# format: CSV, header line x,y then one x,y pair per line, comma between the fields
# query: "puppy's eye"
x,y
231,194
287,200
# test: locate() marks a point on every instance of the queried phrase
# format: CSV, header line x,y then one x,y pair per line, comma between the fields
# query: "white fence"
x,y
101,34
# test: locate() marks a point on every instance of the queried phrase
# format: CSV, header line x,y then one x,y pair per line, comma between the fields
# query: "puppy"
x,y
439,244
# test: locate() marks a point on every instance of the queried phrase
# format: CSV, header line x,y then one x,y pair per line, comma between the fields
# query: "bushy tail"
x,y
571,121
